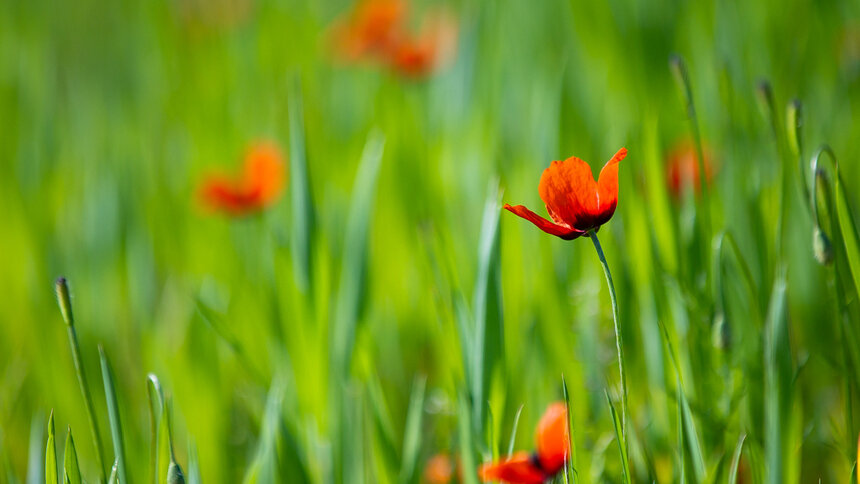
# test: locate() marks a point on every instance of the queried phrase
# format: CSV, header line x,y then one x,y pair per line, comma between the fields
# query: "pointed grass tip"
x,y
64,300
794,121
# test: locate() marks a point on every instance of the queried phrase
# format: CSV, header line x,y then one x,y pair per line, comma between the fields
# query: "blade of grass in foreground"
x,y
51,454
412,433
35,462
513,438
65,302
488,328
113,417
71,470
736,460
155,397
619,437
467,446
300,190
778,377
352,271
570,467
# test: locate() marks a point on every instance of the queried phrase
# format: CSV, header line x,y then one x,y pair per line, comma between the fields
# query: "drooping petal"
x,y
222,194
607,187
516,469
552,438
570,193
565,232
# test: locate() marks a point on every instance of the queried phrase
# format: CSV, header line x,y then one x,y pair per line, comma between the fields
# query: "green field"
x,y
384,308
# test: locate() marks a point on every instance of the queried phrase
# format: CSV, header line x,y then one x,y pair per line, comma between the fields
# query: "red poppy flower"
x,y
263,178
430,50
553,448
439,469
575,202
682,170
374,28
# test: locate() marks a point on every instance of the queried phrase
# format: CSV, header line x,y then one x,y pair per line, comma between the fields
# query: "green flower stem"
x,y
619,342
65,303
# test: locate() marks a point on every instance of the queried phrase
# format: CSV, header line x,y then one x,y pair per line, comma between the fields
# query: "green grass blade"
x,y
619,438
412,432
114,477
850,237
193,465
736,460
778,377
114,418
300,190
354,261
467,446
65,302
488,343
71,470
155,398
35,462
512,441
570,468
51,474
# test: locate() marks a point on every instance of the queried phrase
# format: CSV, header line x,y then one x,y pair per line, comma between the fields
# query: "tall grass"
x,y
384,309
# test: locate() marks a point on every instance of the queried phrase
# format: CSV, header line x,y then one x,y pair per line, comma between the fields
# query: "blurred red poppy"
x,y
262,181
373,29
553,448
377,30
574,200
431,49
439,469
682,169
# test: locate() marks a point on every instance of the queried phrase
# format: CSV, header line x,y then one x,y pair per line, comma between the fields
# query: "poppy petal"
x,y
570,193
551,228
553,441
607,187
516,469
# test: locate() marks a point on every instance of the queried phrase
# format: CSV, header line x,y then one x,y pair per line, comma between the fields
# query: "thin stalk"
x,y
65,303
619,343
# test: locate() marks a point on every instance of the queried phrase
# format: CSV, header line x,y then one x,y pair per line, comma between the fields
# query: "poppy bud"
x,y
174,474
721,332
821,246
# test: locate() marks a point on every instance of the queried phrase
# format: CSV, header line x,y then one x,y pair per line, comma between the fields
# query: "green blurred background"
x,y
113,112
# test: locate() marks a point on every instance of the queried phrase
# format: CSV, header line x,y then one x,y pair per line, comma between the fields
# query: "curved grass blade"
x,y
51,474
850,237
778,382
113,417
514,427
412,432
736,460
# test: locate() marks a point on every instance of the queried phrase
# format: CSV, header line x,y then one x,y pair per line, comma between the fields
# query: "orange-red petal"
x,y
563,231
516,469
262,181
570,193
607,187
553,441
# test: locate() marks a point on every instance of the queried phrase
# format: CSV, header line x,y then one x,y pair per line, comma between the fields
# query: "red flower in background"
x,y
553,450
439,469
574,200
372,29
262,181
682,169
377,30
432,48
